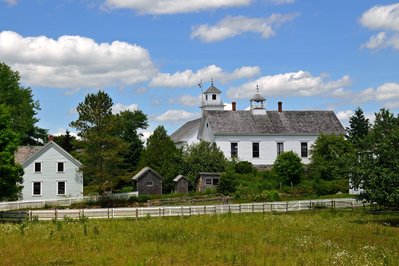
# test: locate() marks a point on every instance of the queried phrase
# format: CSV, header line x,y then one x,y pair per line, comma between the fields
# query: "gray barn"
x,y
148,181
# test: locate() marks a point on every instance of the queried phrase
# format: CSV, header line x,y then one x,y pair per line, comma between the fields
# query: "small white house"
x,y
257,135
50,172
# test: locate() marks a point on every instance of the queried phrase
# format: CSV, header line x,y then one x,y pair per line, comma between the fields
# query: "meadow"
x,y
321,237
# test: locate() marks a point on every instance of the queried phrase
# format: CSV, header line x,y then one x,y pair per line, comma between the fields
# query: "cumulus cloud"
x,y
75,61
176,116
188,78
301,83
161,7
381,17
384,18
233,26
119,107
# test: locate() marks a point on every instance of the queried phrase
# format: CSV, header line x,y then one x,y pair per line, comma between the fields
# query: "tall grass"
x,y
307,238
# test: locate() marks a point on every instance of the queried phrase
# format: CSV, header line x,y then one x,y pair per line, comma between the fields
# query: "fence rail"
x,y
169,211
64,202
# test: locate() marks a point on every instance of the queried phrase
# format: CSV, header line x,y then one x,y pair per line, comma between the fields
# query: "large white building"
x,y
256,135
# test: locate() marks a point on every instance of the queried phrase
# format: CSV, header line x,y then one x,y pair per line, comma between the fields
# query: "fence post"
x,y
189,211
113,213
204,209
286,207
108,213
55,214
137,213
182,211
239,208
253,208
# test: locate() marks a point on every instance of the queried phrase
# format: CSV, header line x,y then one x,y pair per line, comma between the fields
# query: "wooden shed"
x,y
207,181
181,184
148,181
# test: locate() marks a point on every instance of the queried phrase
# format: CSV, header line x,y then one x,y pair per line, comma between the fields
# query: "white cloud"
x,y
384,18
11,2
176,116
187,100
188,78
118,107
381,17
233,26
344,116
75,61
301,83
382,40
160,7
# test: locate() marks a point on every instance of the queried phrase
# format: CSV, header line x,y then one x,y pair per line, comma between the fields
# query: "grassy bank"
x,y
307,238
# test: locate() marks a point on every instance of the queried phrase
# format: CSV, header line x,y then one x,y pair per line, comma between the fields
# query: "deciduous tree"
x,y
22,108
10,173
288,168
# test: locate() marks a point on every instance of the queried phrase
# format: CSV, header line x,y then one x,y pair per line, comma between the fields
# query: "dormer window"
x,y
206,97
213,96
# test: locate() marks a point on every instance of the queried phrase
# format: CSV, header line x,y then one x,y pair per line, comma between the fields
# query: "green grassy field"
x,y
325,237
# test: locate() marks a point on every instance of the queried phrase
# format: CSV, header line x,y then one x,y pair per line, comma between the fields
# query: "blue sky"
x,y
151,54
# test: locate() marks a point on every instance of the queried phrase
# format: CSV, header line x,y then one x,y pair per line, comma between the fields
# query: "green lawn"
x,y
324,237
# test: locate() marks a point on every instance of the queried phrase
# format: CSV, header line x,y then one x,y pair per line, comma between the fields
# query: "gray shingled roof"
x,y
145,170
186,129
25,152
286,123
212,89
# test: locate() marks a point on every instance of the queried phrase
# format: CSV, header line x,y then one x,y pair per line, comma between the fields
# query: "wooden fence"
x,y
63,202
169,211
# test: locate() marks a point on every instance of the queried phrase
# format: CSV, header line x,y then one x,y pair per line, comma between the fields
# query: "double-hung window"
x,y
60,167
38,167
61,188
234,149
280,148
36,188
304,149
255,149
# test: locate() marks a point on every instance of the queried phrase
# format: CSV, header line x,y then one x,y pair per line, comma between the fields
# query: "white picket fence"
x,y
168,211
64,202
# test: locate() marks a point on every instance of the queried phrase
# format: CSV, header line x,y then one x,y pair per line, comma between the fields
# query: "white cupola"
x,y
257,103
211,99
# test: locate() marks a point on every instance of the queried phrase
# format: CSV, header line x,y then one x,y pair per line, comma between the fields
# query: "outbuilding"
x,y
181,184
148,181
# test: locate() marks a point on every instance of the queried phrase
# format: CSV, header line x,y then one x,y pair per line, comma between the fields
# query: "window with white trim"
x,y
36,188
304,149
234,149
208,181
61,187
280,148
60,167
150,183
255,149
38,167
213,96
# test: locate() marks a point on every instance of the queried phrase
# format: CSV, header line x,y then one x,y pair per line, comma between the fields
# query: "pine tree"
x,y
358,129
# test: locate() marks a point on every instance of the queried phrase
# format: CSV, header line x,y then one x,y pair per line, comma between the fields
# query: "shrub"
x,y
288,168
243,167
227,183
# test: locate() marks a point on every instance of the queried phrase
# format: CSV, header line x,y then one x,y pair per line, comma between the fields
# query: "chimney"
x,y
233,106
50,138
280,107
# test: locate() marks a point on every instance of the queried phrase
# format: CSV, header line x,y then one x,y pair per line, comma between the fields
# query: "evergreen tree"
x,y
65,141
103,152
22,107
162,155
10,173
358,129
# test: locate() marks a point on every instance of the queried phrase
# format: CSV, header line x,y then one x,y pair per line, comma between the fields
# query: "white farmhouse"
x,y
256,135
50,172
